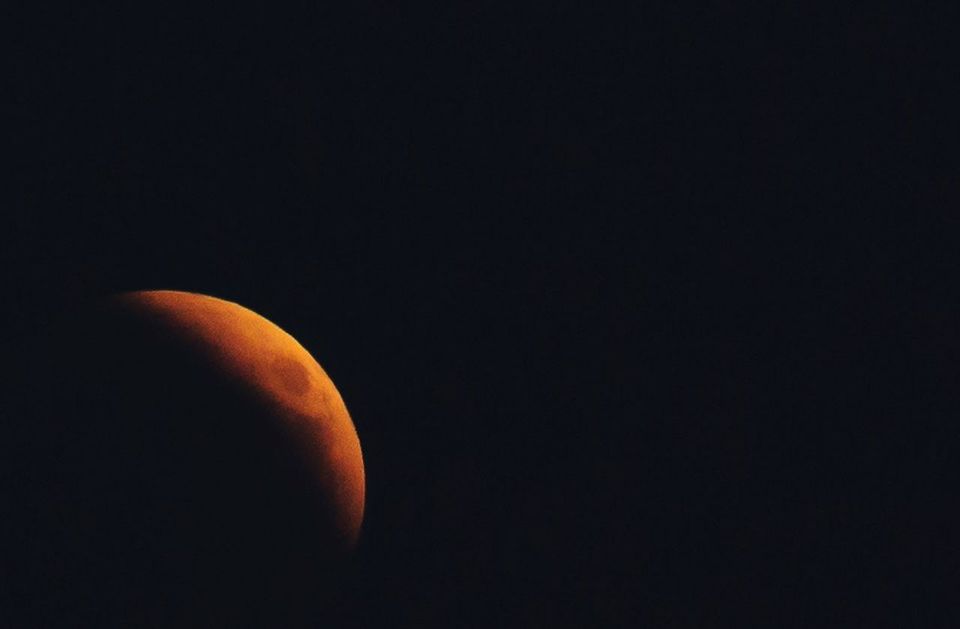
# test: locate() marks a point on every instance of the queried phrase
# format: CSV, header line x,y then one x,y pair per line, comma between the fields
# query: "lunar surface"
x,y
190,464
274,367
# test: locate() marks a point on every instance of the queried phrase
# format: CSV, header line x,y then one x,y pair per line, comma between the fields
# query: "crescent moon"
x,y
267,362
190,460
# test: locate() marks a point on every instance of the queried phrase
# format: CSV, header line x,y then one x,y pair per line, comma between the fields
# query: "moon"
x,y
259,356
196,467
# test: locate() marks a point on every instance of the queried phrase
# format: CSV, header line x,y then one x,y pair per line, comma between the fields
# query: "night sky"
x,y
643,319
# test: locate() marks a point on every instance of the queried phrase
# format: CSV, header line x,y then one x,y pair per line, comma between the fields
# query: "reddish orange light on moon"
x,y
268,363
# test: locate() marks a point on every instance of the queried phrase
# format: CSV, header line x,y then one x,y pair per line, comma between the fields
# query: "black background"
x,y
641,318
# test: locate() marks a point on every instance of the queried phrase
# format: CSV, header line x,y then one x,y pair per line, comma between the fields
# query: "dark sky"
x,y
641,318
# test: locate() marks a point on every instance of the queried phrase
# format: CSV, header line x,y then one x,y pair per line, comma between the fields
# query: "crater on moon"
x,y
293,376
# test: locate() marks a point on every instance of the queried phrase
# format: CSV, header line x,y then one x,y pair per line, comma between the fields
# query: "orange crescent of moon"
x,y
266,360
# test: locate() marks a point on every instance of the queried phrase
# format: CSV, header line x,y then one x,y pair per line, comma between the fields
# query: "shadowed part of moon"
x,y
193,466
